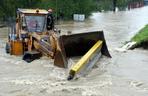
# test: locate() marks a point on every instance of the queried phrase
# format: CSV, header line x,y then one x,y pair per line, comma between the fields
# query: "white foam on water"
x,y
125,47
139,85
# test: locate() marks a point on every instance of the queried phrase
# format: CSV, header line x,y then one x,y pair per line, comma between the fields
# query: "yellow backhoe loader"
x,y
34,36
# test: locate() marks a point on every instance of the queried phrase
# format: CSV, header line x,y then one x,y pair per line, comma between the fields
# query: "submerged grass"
x,y
142,36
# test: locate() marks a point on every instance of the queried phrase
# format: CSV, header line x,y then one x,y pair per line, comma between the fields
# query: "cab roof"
x,y
33,11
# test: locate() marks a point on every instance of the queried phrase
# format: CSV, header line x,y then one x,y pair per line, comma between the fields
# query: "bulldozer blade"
x,y
60,59
78,45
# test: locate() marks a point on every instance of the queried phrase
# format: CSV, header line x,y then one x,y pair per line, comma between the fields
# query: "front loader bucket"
x,y
78,45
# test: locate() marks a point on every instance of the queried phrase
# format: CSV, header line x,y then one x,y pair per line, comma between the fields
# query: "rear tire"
x,y
7,48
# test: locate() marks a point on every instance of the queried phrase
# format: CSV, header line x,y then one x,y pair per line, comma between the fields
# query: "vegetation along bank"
x,y
141,38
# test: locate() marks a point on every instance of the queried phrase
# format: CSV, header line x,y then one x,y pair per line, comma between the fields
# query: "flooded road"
x,y
126,74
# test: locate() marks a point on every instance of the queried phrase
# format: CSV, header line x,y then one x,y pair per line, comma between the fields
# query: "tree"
x,y
62,8
8,7
66,8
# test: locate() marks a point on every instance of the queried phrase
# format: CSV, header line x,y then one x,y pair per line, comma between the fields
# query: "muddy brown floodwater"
x,y
126,74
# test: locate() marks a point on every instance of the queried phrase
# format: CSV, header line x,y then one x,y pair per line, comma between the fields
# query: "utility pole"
x,y
114,5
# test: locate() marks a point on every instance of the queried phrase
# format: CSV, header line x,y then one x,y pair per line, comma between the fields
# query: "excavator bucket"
x,y
78,45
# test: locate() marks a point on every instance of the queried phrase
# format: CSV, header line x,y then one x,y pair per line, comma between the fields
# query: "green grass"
x,y
142,36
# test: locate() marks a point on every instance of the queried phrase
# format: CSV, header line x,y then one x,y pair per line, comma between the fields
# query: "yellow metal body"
x,y
16,47
81,63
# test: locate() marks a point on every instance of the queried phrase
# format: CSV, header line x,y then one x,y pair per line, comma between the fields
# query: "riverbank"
x,y
141,38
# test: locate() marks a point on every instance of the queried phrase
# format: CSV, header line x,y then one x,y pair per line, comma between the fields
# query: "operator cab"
x,y
35,23
33,20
